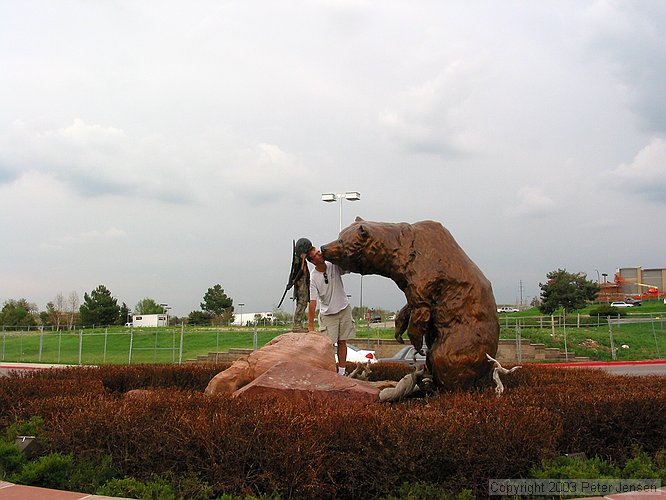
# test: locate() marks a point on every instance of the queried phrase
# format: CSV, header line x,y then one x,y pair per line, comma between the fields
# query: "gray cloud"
x,y
206,136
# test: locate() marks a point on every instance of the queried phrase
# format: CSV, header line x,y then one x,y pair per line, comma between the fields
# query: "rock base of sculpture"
x,y
297,381
309,349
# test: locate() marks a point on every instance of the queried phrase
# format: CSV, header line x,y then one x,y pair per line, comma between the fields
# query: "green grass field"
x,y
646,339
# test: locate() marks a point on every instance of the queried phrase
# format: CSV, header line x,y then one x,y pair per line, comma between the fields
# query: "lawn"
x,y
584,335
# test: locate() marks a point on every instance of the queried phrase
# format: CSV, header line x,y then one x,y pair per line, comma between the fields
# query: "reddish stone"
x,y
296,381
309,349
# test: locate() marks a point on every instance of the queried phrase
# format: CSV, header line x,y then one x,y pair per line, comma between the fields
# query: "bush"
x,y
49,471
606,310
11,459
132,488
217,445
574,468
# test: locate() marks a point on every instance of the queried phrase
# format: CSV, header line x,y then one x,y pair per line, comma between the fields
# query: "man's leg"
x,y
346,331
342,353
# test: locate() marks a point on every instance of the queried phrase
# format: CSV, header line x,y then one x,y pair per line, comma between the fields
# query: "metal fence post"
x,y
41,345
182,334
129,361
80,345
519,353
656,344
106,336
254,337
612,342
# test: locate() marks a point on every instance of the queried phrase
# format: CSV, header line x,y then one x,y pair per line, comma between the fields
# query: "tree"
x,y
18,313
72,308
99,308
59,306
148,306
216,301
123,317
567,290
50,317
199,318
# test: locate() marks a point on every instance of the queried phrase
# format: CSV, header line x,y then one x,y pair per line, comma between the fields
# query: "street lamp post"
x,y
240,304
349,196
165,311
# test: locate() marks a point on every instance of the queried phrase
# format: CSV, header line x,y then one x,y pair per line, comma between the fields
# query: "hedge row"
x,y
314,449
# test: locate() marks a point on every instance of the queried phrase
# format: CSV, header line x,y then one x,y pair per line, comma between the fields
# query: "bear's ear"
x,y
358,219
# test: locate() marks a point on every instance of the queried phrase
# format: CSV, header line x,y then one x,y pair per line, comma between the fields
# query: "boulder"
x,y
309,349
296,381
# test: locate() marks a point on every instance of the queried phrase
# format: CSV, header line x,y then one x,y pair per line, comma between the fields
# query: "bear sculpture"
x,y
450,303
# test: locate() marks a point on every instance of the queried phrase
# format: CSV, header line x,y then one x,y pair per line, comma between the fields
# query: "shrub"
x,y
574,468
91,473
132,488
11,459
217,445
49,471
606,310
642,466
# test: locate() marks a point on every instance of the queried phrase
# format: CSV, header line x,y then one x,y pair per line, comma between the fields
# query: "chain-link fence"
x,y
580,337
133,346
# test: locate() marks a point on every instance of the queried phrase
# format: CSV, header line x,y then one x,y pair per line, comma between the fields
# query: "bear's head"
x,y
367,247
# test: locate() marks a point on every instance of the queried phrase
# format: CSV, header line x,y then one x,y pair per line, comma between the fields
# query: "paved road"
x,y
651,367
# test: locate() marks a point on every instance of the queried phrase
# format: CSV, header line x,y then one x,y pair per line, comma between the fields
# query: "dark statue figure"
x,y
450,303
299,278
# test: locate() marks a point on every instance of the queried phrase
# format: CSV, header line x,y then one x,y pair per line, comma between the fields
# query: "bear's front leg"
x,y
402,322
419,322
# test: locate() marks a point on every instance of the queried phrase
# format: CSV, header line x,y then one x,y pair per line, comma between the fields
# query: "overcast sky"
x,y
161,147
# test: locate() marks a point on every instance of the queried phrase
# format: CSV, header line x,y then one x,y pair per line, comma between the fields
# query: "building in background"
x,y
634,282
149,320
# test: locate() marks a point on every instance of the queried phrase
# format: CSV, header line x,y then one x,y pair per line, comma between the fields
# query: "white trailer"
x,y
149,320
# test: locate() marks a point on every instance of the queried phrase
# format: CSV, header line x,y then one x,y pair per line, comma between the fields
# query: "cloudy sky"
x,y
161,147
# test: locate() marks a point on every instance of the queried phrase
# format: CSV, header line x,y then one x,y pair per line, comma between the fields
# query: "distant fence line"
x,y
178,344
136,345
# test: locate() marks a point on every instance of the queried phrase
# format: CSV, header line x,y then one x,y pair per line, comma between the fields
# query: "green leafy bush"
x,y
11,459
129,487
50,471
574,468
642,466
606,310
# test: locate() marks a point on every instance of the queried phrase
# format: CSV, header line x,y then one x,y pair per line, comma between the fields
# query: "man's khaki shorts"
x,y
338,326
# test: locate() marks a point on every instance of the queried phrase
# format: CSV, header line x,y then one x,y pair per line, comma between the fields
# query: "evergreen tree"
x,y
216,301
567,290
18,313
99,308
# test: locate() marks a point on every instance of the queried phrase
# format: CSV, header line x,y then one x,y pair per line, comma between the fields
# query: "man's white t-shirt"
x,y
331,295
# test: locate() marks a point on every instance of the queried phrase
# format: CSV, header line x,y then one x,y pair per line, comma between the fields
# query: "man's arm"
x,y
312,306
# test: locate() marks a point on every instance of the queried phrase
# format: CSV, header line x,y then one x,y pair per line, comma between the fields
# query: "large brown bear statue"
x,y
450,303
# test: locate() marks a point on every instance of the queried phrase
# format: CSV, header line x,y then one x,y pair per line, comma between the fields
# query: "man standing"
x,y
335,316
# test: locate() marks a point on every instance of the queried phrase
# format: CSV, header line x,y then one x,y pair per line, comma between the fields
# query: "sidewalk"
x,y
10,491
661,494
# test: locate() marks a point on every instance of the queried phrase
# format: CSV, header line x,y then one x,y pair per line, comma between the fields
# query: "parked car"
x,y
619,303
356,355
507,310
634,302
407,355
